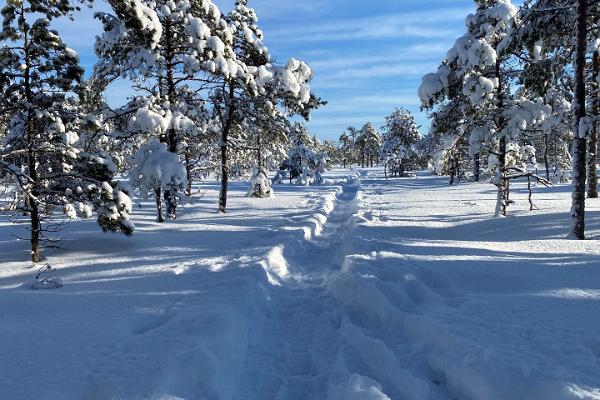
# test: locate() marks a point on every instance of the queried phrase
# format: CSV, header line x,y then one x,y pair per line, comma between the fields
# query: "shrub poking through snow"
x,y
45,280
155,168
260,185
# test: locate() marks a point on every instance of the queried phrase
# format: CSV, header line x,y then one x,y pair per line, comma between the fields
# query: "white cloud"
x,y
425,24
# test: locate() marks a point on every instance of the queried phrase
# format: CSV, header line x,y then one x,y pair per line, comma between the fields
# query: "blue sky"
x,y
368,56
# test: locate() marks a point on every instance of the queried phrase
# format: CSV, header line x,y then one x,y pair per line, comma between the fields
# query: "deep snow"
x,y
356,289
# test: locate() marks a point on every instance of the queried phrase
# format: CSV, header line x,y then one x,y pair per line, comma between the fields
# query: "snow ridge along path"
x,y
397,299
293,359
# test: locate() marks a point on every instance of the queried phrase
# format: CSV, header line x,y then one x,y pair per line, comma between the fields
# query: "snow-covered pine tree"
x,y
369,143
193,46
400,134
285,86
569,26
346,149
155,168
39,80
304,162
476,66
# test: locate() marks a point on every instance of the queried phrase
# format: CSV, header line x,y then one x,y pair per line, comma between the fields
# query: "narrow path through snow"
x,y
300,339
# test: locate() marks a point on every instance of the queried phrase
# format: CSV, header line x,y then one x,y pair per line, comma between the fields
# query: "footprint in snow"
x,y
151,319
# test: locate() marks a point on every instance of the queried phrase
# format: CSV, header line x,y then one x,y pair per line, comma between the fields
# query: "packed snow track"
x,y
359,289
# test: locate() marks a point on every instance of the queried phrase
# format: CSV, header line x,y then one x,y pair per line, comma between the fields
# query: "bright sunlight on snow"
x,y
174,227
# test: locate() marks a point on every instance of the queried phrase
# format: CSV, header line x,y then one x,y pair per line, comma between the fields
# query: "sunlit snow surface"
x,y
357,289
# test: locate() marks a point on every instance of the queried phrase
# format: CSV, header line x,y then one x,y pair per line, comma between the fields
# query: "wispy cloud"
x,y
424,24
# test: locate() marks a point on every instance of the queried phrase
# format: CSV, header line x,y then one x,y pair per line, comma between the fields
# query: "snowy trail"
x,y
443,302
397,300
300,341
359,289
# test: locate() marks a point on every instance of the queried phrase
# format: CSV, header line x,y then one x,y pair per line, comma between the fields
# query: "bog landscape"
x,y
318,200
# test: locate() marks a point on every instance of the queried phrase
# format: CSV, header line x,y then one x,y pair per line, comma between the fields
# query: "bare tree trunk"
x,y
225,150
32,194
502,181
476,167
172,142
579,143
546,163
258,151
159,211
593,143
36,224
188,171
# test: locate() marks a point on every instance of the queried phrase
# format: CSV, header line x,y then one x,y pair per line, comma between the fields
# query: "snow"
x,y
355,289
154,167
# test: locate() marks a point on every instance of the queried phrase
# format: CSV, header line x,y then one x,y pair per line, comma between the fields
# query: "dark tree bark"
x,y
159,213
579,143
476,167
36,224
593,143
172,142
34,213
225,149
188,171
546,162
503,191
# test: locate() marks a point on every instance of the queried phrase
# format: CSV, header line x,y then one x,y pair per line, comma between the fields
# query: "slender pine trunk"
x,y
502,181
188,171
172,142
579,143
225,149
593,142
546,163
31,194
476,167
159,211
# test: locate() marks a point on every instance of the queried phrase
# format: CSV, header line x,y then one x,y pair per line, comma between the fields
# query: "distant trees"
x,y
369,142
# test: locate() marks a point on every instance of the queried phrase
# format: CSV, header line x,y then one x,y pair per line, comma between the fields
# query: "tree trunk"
x,y
502,199
593,143
188,171
258,151
502,181
32,194
476,167
159,213
225,150
546,163
34,213
579,143
172,142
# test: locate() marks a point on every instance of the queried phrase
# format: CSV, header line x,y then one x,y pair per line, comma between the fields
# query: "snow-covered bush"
x,y
260,185
156,168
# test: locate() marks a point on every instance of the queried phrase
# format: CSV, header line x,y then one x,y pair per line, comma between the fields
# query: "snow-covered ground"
x,y
358,289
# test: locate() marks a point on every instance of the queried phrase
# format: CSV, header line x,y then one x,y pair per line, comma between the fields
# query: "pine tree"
x,y
400,135
232,99
40,77
193,46
369,142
